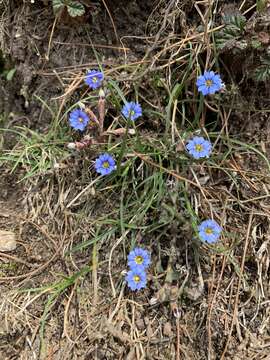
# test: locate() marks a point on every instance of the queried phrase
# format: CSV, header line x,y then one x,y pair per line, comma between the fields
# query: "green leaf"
x,y
261,5
237,21
230,36
262,73
58,5
255,43
75,9
10,74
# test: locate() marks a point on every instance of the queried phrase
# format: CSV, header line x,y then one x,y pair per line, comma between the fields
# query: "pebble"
x,y
7,240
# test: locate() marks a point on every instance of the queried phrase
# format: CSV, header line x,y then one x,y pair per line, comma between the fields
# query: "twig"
x,y
111,18
82,192
93,45
47,56
73,86
65,325
110,259
101,110
177,339
15,258
235,311
32,273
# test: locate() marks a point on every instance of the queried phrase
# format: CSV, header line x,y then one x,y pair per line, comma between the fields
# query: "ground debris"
x,y
116,332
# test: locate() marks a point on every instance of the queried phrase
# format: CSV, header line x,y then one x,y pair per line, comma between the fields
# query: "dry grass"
x,y
63,294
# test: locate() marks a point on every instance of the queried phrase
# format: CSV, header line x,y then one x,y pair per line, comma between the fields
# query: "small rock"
x,y
7,240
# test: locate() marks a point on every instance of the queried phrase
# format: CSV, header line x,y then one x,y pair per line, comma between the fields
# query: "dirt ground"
x,y
56,303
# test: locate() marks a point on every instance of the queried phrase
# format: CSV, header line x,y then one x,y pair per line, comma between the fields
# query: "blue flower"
x,y
198,147
136,279
94,79
105,164
132,110
209,83
209,231
78,119
139,258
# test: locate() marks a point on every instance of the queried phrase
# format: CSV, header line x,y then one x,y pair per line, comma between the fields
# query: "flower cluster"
x,y
198,147
138,261
80,119
209,83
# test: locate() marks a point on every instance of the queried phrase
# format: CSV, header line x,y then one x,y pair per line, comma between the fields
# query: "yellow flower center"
x,y
208,83
131,112
139,259
198,147
94,79
106,164
136,278
80,119
209,231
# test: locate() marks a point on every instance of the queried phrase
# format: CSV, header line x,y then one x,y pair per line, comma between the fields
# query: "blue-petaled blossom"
x,y
209,83
136,279
198,147
94,79
105,164
78,119
209,231
139,258
132,110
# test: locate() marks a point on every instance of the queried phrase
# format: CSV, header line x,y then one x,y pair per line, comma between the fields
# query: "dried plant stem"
x,y
235,311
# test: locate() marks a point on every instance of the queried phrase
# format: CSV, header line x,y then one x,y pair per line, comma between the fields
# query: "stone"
x,y
7,240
